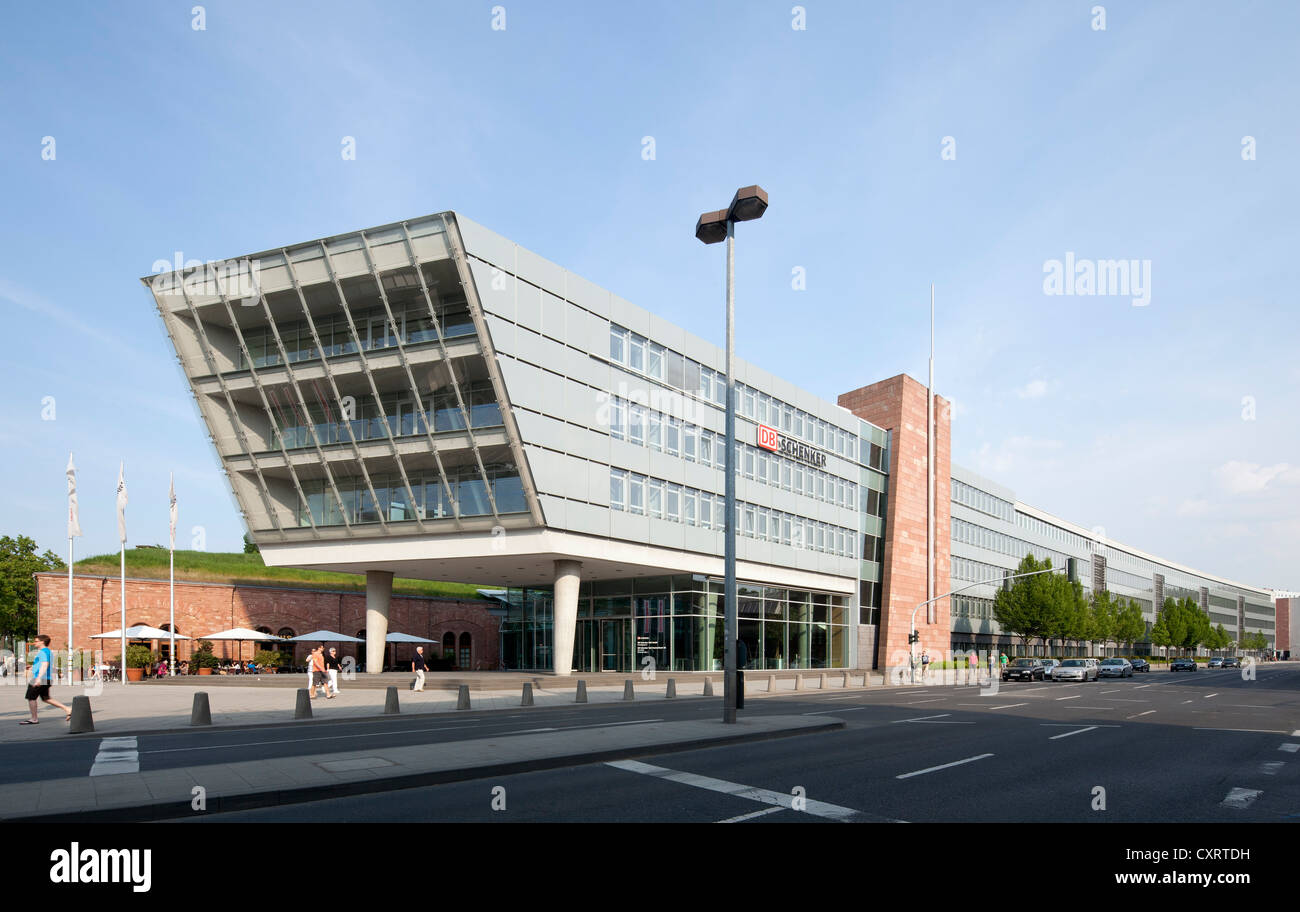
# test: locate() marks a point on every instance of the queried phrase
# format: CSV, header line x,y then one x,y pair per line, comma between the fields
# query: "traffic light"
x,y
913,637
1072,569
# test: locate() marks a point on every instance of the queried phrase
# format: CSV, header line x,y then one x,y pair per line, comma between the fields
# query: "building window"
x,y
464,657
449,647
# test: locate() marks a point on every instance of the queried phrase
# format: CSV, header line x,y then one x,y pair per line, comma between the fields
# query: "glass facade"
x,y
675,623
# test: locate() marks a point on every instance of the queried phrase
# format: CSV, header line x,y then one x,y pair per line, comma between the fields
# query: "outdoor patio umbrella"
x,y
404,638
325,636
138,632
240,634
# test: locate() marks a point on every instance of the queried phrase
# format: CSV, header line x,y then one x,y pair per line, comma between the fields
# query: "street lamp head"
x,y
749,203
712,227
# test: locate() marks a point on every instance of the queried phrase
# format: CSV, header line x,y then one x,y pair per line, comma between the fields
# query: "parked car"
x,y
1115,668
1182,665
1023,670
1076,670
1141,665
1215,662
1049,667
1231,662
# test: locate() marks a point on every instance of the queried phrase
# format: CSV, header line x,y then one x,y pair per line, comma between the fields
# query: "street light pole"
x,y
732,620
711,228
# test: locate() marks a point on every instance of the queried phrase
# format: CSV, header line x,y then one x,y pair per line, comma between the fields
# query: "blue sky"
x,y
1171,425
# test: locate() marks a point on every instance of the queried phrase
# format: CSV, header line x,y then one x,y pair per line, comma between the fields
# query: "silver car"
x,y
1049,668
1115,668
1076,670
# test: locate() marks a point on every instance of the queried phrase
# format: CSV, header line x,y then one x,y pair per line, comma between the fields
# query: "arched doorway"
x,y
449,648
284,633
464,657
165,645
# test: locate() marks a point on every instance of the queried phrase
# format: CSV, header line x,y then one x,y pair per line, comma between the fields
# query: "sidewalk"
x,y
171,793
138,709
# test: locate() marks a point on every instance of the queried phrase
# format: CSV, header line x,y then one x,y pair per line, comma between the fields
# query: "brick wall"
x,y
203,608
899,405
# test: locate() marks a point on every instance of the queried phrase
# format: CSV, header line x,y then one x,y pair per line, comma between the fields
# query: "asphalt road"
x,y
1162,747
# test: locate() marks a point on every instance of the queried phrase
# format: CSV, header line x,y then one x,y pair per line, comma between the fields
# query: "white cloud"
x,y
1250,478
1034,389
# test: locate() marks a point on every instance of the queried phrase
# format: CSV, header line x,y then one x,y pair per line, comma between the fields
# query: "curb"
x,y
172,810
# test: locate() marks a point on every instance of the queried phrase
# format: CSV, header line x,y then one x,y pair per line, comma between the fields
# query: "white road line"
x,y
1147,713
830,712
1140,686
116,756
944,766
1187,701
1241,798
1247,705
1075,697
751,816
924,718
1077,731
918,702
1126,699
1289,748
761,795
1271,767
1253,731
1207,696
1113,690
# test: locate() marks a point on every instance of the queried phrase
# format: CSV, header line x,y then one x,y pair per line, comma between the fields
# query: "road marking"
x,y
847,709
1077,731
918,702
761,795
1253,731
1003,706
1081,706
924,718
944,766
1114,690
1075,697
1271,767
1207,696
1068,724
1140,686
1240,798
751,816
1147,713
1289,748
1247,705
116,756
1126,699
1187,701
1020,692
397,731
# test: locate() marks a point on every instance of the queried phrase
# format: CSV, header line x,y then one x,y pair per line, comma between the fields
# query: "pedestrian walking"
x,y
417,666
38,684
332,666
1003,661
318,676
925,664
973,667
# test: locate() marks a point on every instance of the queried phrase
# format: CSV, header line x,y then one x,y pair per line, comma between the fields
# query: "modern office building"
x,y
431,400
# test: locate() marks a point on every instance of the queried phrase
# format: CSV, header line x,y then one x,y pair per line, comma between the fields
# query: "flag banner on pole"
x,y
121,504
74,523
171,494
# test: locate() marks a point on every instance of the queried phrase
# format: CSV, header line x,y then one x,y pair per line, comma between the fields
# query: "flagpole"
x,y
123,630
171,666
70,681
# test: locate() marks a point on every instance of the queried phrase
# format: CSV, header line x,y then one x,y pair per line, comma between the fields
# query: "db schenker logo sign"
x,y
769,439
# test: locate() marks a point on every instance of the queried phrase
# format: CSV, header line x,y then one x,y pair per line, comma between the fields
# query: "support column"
x,y
566,613
379,593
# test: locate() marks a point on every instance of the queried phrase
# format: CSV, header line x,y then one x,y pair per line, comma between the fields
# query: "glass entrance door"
x,y
614,646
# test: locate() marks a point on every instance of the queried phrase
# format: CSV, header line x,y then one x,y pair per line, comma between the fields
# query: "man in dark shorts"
x,y
38,685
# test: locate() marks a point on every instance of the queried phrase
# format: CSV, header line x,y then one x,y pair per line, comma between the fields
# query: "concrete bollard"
x,y
771,683
303,708
821,681
462,697
844,680
629,692
201,712
581,695
708,687
391,706
527,698
672,689
798,682
82,720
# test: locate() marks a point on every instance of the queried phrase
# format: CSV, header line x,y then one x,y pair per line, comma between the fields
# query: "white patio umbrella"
x,y
241,634
325,636
138,632
405,638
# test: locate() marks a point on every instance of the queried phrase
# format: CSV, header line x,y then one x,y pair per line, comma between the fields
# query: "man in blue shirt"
x,y
38,686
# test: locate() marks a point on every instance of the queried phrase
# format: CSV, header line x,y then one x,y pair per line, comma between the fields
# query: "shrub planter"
x,y
135,674
205,671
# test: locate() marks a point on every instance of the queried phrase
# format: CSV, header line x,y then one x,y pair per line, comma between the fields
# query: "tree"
x,y
18,562
1029,608
1105,617
1160,635
1129,625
